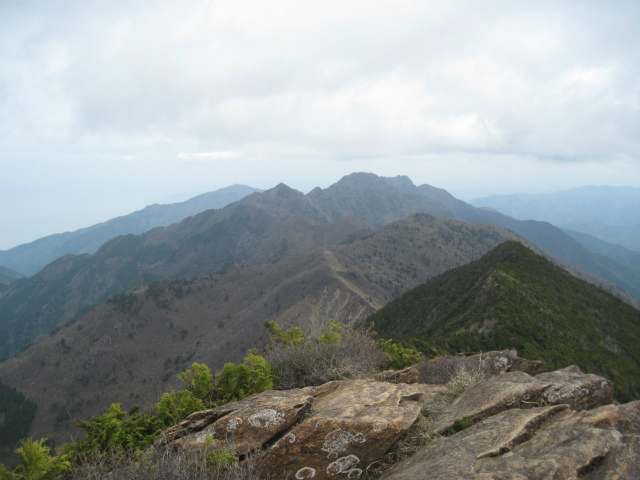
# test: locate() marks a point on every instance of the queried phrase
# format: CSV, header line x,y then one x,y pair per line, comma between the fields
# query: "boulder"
x,y
441,370
247,424
349,429
331,431
519,390
540,443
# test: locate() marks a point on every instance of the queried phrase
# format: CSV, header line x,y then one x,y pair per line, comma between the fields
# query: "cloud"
x,y
208,156
338,80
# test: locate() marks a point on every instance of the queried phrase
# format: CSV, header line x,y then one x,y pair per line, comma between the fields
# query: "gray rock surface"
x,y
331,431
535,444
511,390
440,370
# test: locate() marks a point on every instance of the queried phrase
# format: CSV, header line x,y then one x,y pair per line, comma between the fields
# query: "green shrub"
x,y
197,379
235,382
36,463
176,406
399,357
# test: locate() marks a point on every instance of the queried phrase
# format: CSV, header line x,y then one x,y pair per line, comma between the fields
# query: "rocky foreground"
x,y
515,423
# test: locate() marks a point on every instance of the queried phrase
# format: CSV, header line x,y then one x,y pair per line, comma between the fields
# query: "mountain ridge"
x,y
31,257
513,296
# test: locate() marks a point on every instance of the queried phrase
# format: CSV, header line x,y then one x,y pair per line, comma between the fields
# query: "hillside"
x,y
30,258
514,298
626,235
622,255
7,277
130,348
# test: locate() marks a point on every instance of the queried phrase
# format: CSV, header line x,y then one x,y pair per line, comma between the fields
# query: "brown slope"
x,y
132,354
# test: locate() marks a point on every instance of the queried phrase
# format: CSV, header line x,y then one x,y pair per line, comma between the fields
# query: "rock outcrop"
x,y
534,425
538,443
331,431
440,370
513,390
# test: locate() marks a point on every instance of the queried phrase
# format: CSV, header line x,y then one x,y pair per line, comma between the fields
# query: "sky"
x,y
108,106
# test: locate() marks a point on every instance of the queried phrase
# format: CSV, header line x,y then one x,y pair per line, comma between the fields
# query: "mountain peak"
x,y
402,182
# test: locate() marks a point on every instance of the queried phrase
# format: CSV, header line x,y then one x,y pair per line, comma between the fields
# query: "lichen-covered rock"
x,y
578,390
556,425
247,424
349,429
519,390
330,431
534,444
441,370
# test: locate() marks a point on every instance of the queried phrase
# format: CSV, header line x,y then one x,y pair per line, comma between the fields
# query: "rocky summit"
x,y
512,423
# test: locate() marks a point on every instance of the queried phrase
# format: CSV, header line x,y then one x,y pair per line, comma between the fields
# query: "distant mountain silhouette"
x,y
30,258
610,214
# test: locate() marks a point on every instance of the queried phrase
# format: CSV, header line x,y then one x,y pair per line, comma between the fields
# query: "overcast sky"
x,y
109,106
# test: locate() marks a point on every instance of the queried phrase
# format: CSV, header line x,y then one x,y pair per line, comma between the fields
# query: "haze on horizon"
x,y
111,106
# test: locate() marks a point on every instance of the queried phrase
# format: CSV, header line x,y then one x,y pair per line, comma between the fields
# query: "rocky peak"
x,y
534,425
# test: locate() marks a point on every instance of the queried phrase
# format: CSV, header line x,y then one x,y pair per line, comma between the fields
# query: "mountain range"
x,y
262,227
610,214
30,258
131,347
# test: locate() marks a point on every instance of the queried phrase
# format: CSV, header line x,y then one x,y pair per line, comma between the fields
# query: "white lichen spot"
x,y
343,465
234,423
290,436
501,362
379,426
202,438
337,442
266,418
354,473
306,472
280,399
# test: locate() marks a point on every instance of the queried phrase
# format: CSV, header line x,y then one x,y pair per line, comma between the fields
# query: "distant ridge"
x,y
612,206
515,298
610,214
30,258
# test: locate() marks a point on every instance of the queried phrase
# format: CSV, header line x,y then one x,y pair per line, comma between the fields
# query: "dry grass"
x,y
463,377
315,363
167,465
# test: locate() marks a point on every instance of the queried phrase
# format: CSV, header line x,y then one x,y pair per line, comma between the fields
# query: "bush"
x,y
176,406
36,463
197,379
399,357
235,382
338,353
